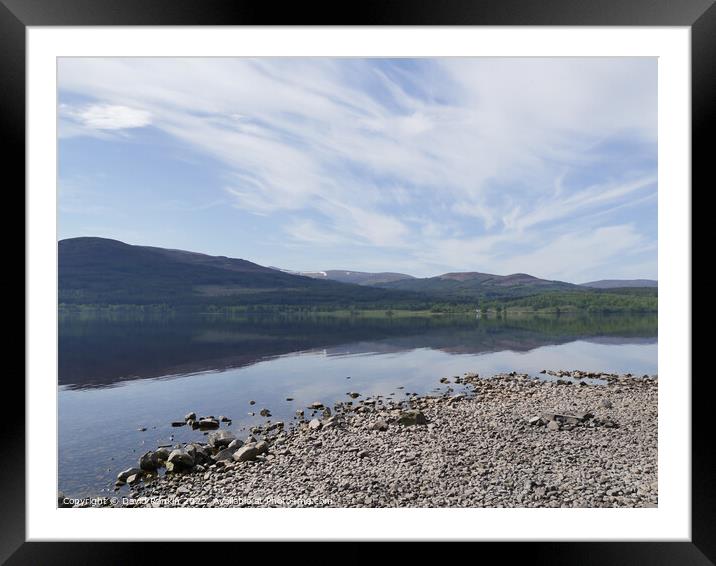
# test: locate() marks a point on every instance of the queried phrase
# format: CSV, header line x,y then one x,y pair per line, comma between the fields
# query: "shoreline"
x,y
507,441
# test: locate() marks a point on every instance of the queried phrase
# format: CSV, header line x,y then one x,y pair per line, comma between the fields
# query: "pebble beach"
x,y
575,439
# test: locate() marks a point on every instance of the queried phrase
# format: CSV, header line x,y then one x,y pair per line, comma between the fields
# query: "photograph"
x,y
357,282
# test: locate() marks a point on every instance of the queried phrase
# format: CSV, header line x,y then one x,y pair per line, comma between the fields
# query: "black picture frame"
x,y
699,15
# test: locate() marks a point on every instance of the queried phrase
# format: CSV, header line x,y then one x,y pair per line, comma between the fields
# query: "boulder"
x,y
180,459
413,417
379,425
178,423
316,405
220,438
149,461
262,447
246,453
162,454
265,413
553,425
190,416
353,395
315,424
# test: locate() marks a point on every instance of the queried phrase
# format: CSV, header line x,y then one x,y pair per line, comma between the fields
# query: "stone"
x,y
262,447
134,478
208,423
178,423
180,459
606,403
413,417
235,444
315,424
379,425
265,413
553,426
190,416
316,405
124,475
535,421
225,454
246,453
353,395
220,438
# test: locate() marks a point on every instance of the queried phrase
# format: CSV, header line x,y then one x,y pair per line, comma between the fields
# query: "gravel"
x,y
589,440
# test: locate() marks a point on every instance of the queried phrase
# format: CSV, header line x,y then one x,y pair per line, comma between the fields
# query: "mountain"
x,y
104,271
355,277
621,283
475,285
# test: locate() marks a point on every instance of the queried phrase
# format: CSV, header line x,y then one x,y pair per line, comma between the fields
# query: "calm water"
x,y
118,375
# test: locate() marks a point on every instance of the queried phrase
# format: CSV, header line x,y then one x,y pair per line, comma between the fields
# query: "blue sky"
x,y
423,166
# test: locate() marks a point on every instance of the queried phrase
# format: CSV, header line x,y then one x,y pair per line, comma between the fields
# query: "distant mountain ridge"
x,y
621,283
102,271
476,285
355,277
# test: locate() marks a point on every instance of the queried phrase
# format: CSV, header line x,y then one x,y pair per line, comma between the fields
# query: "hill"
x,y
621,283
104,271
474,285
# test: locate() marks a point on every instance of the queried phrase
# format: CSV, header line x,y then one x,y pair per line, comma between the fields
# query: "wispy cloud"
x,y
437,163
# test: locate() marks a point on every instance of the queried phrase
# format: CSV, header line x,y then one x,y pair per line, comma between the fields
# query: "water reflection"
x,y
100,351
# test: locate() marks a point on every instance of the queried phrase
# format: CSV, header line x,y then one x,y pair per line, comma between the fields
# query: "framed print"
x,y
420,274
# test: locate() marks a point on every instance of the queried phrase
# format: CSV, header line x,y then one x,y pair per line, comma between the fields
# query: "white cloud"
x,y
106,116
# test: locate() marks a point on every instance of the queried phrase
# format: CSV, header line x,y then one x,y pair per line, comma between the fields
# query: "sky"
x,y
546,166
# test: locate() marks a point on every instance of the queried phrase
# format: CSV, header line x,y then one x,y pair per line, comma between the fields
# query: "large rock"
x,y
190,416
122,476
221,438
414,417
315,424
180,459
149,461
246,453
379,425
162,454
